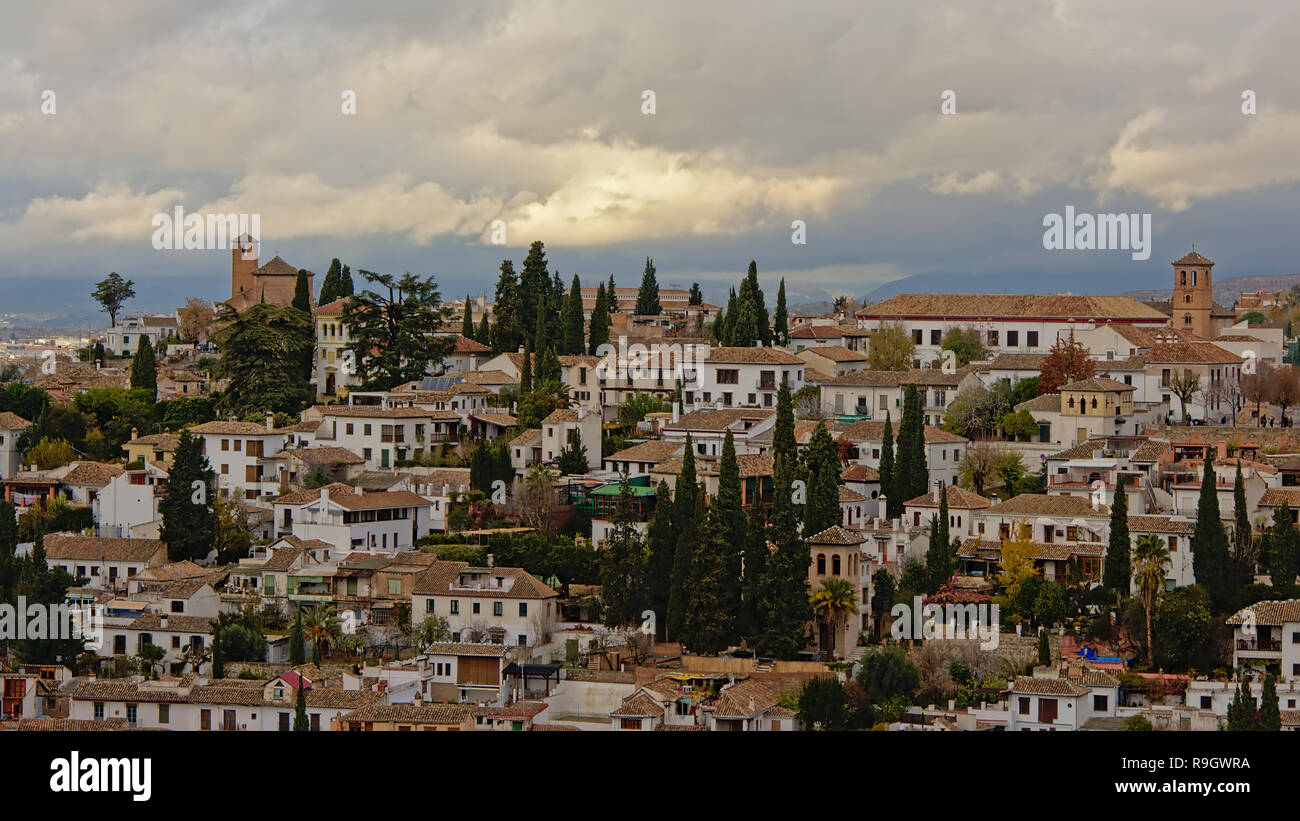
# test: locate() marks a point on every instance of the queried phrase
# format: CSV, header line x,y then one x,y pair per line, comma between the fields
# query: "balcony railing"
x,y
1273,645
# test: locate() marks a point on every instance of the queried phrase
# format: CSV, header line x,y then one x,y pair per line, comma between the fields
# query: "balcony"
x,y
1260,645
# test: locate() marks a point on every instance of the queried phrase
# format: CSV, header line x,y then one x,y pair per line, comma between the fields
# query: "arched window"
x,y
835,565
1187,319
821,564
1070,402
1183,277
1193,277
1094,403
1187,298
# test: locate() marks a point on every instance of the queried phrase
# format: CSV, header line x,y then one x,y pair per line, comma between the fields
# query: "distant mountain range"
x,y
1227,291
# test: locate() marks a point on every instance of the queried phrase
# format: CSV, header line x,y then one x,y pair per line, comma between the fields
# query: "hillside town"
x,y
354,505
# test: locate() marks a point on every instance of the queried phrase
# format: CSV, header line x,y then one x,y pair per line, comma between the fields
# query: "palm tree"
x,y
835,599
321,625
1150,556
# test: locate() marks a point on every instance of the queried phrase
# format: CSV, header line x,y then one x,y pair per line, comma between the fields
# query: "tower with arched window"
x,y
1193,296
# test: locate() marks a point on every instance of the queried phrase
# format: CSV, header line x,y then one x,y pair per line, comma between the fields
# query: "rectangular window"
x,y
1099,703
1013,339
99,711
164,713
455,607
936,337
916,336
993,338
1024,706
394,585
1031,338
523,608
475,608
728,376
284,722
498,608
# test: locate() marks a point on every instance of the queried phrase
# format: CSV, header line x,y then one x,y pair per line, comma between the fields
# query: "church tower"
x,y
1193,296
243,262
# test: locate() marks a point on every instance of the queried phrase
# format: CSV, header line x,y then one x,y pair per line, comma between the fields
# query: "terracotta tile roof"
x,y
502,419
836,535
959,498
493,377
283,558
127,690
465,648
527,437
562,415
847,495
325,455
439,714
975,547
376,412
69,725
175,623
464,345
172,571
1097,383
639,705
1160,524
651,452
1044,402
95,548
1024,685
1150,451
12,421
232,429
995,306
860,473
335,307
920,377
165,442
836,353
1041,504
92,473
1093,677
1270,613
1192,258
718,420
752,356
817,332
1278,496
277,267
1017,362
744,699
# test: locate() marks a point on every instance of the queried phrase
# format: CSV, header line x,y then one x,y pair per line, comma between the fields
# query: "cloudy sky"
x,y
532,113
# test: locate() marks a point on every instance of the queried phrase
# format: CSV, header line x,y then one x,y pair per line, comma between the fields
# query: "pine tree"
x,y
571,320
686,526
300,722
302,292
598,332
1270,712
647,299
297,653
623,565
823,469
508,332
331,288
888,481
467,324
938,557
1119,551
781,319
189,520
1210,560
662,542
727,507
1242,712
144,369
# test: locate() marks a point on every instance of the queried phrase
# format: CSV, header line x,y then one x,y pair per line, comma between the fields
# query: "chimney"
x,y
135,434
270,421
490,560
677,412
719,403
935,490
324,494
882,515
162,622
418,700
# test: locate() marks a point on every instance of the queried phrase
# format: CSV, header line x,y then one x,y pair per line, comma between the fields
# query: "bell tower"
x,y
1193,295
243,262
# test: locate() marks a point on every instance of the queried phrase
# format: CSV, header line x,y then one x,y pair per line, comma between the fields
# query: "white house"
x,y
503,605
123,339
106,563
241,454
744,377
11,427
562,424
943,450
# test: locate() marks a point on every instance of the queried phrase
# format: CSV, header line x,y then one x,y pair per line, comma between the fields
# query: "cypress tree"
x,y
781,319
8,528
727,507
756,554
686,525
742,324
1270,712
782,602
331,287
1242,532
534,290
611,295
912,477
823,469
1119,551
1044,649
218,655
345,282
696,296
144,370
662,541
598,332
526,372
302,292
710,615
938,557
783,442
484,333
722,328
300,722
507,333
1283,547
623,565
752,293
467,324
1210,545
647,298
188,517
297,652
888,481
571,319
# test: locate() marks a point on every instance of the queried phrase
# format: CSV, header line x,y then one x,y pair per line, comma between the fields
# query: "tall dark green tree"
x,y
728,509
1119,551
647,299
1243,537
300,722
710,616
111,292
302,292
624,566
661,539
755,570
331,288
888,479
571,325
598,332
781,319
467,324
822,459
1270,710
189,519
508,332
390,326
938,557
483,335
534,288
686,525
1283,552
218,653
1211,563
42,585
696,296
263,350
611,295
784,610
751,294
345,282
297,647
144,369
913,475
526,371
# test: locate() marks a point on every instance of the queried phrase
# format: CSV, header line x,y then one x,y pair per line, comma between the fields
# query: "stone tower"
x,y
243,264
1193,296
